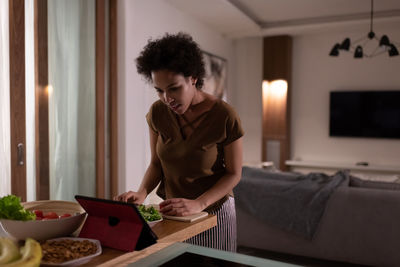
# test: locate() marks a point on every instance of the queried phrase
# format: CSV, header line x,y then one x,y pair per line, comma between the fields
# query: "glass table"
x,y
183,254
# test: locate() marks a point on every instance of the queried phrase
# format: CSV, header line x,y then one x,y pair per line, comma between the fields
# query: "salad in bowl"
x,y
150,214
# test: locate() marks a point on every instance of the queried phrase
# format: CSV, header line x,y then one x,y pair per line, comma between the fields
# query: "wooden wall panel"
x,y
42,101
276,112
113,98
277,58
100,98
17,97
275,115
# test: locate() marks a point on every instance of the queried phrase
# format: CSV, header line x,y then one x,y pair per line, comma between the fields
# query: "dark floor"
x,y
302,261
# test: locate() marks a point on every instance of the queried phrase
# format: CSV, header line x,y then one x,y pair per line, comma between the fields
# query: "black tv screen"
x,y
365,114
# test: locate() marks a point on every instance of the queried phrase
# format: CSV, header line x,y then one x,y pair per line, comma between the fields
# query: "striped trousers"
x,y
222,236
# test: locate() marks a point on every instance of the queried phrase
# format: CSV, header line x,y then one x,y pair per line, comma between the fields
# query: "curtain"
x,y
71,34
30,102
5,152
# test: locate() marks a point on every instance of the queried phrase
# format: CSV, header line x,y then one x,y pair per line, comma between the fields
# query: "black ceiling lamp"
x,y
356,47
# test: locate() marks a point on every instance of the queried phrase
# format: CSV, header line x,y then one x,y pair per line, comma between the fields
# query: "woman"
x,y
195,139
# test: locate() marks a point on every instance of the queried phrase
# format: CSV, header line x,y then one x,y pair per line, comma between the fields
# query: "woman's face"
x,y
175,90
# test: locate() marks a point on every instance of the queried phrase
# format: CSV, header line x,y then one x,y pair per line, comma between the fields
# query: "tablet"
x,y
115,224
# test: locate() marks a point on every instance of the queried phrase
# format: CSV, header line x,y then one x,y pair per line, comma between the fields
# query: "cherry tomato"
x,y
51,215
65,215
38,213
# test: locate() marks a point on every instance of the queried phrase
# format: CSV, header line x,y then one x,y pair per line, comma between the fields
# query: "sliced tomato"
x,y
50,215
38,213
39,218
65,215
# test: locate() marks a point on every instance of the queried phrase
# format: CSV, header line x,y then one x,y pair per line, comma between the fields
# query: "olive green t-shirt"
x,y
193,165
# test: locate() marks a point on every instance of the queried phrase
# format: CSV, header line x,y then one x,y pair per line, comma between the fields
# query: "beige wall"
x,y
315,74
247,94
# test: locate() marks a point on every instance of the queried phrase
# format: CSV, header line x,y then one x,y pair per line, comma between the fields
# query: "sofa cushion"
x,y
357,182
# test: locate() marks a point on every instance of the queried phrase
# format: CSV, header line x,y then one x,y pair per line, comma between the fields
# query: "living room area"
x,y
290,134
223,28
314,75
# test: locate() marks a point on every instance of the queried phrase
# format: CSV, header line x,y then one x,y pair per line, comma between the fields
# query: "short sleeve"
x,y
233,127
150,119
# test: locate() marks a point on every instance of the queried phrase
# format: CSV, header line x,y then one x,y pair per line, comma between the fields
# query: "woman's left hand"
x,y
180,207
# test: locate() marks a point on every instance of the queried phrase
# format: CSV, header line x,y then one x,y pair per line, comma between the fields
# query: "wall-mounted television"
x,y
365,114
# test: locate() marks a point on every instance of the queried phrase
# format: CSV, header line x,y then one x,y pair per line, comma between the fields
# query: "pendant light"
x,y
357,47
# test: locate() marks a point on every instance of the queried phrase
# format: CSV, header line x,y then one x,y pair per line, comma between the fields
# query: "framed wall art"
x,y
215,80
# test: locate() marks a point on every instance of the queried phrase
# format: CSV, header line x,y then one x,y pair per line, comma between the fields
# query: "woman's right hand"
x,y
133,197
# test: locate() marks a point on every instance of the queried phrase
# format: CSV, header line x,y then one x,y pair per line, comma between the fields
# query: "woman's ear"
x,y
193,80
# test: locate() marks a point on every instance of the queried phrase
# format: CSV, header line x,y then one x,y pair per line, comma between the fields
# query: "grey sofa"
x,y
360,224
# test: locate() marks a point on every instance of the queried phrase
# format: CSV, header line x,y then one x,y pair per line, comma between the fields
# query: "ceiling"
x,y
240,18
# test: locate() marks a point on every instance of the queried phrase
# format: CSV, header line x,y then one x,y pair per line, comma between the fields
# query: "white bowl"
x,y
45,229
157,207
78,261
152,223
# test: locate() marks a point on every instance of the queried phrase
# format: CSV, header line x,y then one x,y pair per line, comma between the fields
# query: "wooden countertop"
x,y
167,231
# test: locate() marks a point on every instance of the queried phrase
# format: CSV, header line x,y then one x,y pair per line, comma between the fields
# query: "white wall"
x,y
138,21
315,74
247,95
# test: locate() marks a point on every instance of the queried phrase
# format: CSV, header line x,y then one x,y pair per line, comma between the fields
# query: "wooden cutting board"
x,y
190,218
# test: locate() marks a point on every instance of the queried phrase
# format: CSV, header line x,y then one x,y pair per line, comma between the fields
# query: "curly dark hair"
x,y
174,52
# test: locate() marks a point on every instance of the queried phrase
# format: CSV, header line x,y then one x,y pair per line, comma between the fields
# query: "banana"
x,y
8,251
31,255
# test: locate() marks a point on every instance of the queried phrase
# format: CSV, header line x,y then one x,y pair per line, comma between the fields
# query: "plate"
x,y
78,261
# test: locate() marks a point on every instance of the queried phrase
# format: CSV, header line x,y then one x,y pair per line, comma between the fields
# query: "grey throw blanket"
x,y
292,202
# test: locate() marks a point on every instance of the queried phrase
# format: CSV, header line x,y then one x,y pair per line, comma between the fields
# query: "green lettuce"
x,y
149,214
11,208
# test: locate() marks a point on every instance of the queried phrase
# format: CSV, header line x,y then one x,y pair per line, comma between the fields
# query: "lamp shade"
x,y
393,51
360,44
345,45
359,52
384,41
335,50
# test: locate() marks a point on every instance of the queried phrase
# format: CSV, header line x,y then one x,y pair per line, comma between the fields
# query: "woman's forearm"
x,y
233,164
223,187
